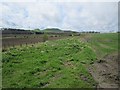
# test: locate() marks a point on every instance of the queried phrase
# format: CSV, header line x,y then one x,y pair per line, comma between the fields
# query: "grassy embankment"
x,y
60,63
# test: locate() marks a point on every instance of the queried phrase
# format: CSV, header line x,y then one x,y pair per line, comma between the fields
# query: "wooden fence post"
x,y
20,45
13,45
26,44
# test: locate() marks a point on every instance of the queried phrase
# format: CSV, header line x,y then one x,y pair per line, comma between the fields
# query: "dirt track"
x,y
105,71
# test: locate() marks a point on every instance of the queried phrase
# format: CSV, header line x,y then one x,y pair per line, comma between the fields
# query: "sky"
x,y
72,15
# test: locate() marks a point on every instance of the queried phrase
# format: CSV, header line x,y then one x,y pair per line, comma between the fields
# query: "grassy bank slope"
x,y
51,64
60,63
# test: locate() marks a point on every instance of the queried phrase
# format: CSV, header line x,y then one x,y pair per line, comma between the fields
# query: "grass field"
x,y
56,64
102,44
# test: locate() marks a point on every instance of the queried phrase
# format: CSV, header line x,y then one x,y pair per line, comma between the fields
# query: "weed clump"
x,y
45,37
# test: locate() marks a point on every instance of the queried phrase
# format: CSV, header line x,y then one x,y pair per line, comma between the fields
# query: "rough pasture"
x,y
61,63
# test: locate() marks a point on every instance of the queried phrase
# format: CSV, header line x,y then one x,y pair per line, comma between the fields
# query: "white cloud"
x,y
59,0
68,15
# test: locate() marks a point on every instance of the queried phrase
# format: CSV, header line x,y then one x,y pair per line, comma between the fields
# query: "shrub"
x,y
45,37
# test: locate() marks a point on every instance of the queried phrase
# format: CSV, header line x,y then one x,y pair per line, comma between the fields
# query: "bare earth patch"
x,y
105,71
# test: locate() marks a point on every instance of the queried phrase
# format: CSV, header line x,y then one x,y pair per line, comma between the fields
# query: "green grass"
x,y
103,44
55,64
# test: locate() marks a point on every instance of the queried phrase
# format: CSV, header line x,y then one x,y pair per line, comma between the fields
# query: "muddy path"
x,y
105,71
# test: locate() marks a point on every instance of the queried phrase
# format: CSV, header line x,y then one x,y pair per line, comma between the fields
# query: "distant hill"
x,y
69,31
52,30
37,31
15,31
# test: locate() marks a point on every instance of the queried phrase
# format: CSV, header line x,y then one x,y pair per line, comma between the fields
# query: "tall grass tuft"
x,y
45,37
